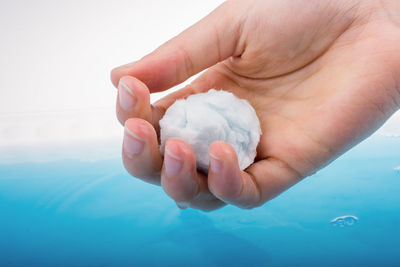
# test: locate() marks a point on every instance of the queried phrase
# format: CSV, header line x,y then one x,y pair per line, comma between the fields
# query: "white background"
x,y
56,56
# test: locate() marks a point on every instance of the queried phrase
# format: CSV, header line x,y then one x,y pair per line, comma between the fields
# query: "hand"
x,y
321,75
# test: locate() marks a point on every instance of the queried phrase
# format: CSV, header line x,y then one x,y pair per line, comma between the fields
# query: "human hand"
x,y
321,75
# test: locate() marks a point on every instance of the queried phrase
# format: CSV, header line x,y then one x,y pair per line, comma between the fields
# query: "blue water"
x,y
78,213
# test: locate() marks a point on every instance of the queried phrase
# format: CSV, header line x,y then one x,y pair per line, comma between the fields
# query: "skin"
x,y
322,76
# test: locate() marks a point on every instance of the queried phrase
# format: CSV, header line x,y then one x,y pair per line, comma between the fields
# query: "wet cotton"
x,y
203,118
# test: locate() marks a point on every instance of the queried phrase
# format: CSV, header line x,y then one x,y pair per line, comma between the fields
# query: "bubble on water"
x,y
344,221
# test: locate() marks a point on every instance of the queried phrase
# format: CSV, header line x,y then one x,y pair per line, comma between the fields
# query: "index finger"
x,y
206,43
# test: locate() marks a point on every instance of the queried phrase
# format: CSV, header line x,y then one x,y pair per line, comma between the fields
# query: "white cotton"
x,y
215,115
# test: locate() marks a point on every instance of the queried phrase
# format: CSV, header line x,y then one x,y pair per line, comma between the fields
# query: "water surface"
x,y
73,212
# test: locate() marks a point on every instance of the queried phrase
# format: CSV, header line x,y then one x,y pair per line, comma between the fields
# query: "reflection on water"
x,y
397,169
94,213
196,231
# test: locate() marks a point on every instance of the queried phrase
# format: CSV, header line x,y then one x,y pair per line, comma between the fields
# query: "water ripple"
x,y
344,221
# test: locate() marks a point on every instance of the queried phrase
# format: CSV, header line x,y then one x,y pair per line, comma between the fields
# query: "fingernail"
x,y
127,98
216,164
132,144
173,164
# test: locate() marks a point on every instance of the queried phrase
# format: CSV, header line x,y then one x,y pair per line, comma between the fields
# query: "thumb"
x,y
209,41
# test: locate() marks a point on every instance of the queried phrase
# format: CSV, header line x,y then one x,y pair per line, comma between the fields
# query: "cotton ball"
x,y
203,118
